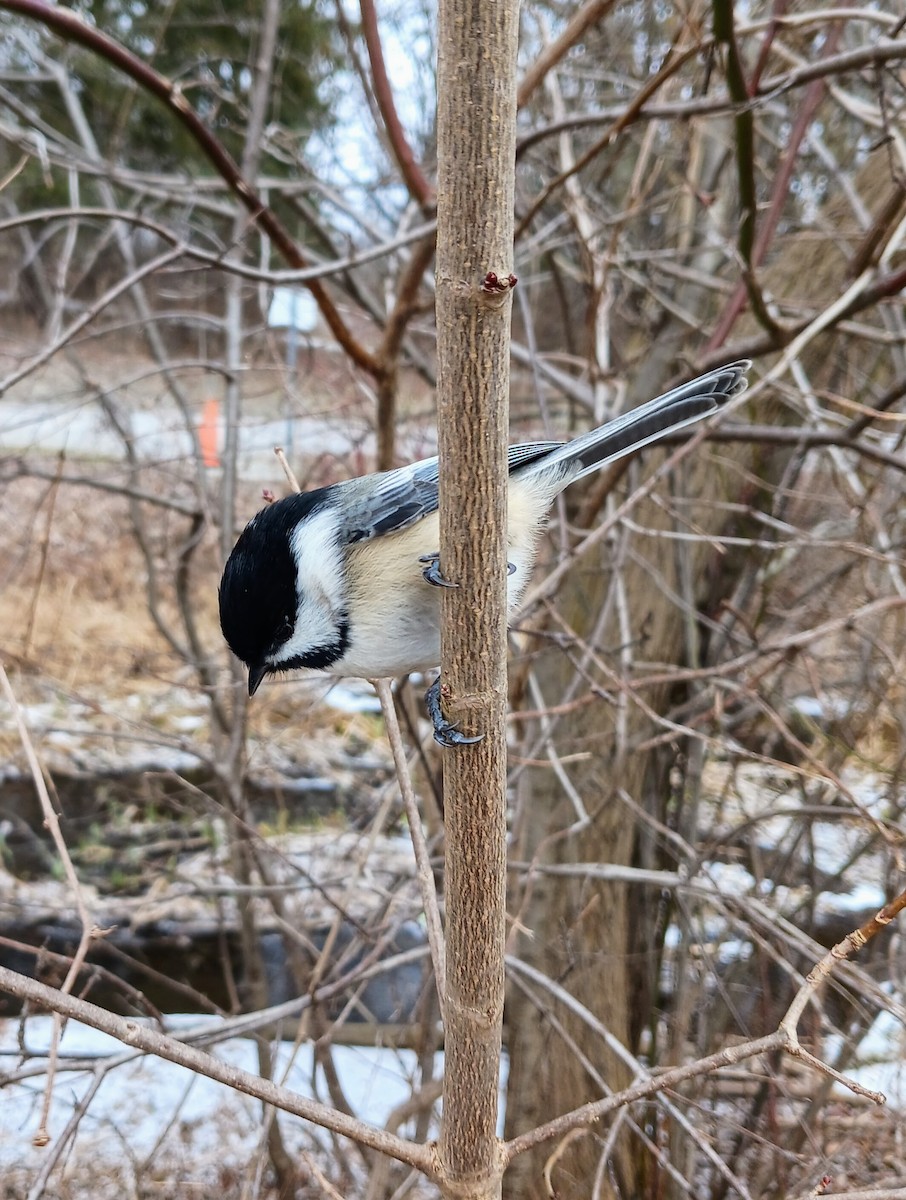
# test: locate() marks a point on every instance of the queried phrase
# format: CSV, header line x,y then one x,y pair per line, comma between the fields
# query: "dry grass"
x,y
72,595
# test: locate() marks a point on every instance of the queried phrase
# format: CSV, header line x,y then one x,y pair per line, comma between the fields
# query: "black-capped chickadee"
x,y
336,579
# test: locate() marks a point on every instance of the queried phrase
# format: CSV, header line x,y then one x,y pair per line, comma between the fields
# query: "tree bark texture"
x,y
476,172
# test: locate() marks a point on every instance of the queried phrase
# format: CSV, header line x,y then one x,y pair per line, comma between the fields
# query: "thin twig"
x,y
287,469
419,844
851,944
785,1037
89,929
72,27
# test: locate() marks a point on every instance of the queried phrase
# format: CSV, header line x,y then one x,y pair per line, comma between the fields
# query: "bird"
x,y
345,579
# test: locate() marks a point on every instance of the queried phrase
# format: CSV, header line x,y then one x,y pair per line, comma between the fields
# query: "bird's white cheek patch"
x,y
319,560
320,586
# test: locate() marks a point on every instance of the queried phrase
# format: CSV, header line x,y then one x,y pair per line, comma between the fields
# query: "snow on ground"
x,y
160,1117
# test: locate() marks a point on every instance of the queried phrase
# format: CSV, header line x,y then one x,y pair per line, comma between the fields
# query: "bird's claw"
x,y
432,571
446,733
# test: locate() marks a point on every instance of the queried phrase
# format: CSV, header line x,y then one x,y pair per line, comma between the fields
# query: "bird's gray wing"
x,y
393,500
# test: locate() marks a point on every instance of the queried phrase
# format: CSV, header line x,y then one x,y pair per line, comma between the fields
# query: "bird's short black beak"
x,y
256,674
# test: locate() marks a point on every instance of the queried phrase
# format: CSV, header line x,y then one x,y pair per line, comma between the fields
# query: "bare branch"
x,y
585,18
150,1041
402,151
70,25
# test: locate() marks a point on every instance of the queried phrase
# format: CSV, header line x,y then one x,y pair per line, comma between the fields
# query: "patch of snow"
x,y
881,1060
353,696
829,708
137,1101
860,897
730,877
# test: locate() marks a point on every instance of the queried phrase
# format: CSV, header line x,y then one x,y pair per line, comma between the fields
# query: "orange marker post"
x,y
209,433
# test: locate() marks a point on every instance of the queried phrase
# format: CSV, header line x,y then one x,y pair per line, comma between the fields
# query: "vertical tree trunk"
x,y
476,173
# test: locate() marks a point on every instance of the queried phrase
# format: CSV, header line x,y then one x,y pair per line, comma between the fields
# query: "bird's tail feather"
x,y
649,422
